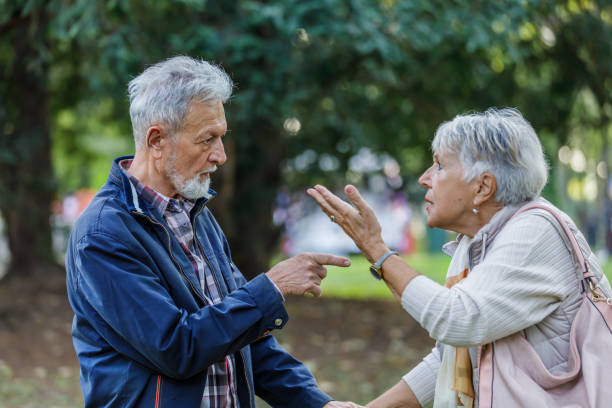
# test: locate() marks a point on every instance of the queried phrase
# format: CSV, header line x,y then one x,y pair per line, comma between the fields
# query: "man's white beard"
x,y
192,188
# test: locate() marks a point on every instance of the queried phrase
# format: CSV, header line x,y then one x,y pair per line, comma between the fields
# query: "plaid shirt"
x,y
220,388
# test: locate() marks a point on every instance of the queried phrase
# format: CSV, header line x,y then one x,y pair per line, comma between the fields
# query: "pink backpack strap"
x,y
486,351
485,375
584,266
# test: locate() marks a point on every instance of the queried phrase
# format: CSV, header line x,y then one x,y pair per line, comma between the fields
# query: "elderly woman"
x,y
507,274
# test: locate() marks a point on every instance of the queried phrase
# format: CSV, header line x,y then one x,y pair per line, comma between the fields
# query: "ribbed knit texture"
x,y
525,281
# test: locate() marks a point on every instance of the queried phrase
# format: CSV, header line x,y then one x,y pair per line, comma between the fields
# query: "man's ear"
x,y
485,189
155,139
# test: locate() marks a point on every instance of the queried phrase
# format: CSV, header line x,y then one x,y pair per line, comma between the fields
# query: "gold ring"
x,y
332,218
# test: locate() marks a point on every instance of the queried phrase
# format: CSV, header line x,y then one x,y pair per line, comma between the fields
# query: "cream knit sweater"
x,y
522,278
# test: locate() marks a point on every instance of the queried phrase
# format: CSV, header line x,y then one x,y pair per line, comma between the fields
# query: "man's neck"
x,y
146,170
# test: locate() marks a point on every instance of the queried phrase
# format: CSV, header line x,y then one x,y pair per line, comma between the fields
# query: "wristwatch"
x,y
376,269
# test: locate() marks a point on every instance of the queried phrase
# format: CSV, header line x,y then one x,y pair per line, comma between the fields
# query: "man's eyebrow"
x,y
213,133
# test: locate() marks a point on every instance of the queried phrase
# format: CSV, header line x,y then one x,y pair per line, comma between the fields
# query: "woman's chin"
x,y
431,223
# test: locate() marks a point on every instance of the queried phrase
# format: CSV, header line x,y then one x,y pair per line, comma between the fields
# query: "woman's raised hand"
x,y
358,222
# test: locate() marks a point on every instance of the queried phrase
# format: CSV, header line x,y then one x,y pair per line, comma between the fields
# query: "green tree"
x,y
565,83
26,177
328,76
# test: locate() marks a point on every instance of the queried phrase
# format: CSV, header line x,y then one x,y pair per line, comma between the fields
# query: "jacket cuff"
x,y
276,287
269,302
310,398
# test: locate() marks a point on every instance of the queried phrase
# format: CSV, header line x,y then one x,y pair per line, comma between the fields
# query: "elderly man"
x,y
163,317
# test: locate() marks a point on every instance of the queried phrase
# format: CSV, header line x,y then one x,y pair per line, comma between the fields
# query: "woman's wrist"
x,y
375,252
398,274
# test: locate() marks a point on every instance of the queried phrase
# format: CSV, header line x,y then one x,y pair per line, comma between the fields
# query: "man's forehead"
x,y
201,113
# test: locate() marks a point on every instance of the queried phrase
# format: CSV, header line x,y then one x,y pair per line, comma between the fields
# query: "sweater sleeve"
x,y
527,271
422,378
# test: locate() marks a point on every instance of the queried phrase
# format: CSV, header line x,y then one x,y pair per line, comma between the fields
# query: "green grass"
x,y
355,282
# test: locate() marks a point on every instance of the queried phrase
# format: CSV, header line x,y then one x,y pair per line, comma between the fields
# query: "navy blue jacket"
x,y
144,334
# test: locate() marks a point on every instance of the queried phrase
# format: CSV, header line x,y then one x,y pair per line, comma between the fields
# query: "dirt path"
x,y
356,349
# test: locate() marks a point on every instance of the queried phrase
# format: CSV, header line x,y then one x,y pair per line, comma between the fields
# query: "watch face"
x,y
374,272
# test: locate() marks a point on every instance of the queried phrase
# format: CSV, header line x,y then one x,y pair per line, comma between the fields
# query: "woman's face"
x,y
450,198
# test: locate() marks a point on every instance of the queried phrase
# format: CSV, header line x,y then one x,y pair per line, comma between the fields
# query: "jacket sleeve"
x,y
129,306
281,380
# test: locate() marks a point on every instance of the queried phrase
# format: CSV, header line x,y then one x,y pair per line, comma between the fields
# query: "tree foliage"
x,y
326,77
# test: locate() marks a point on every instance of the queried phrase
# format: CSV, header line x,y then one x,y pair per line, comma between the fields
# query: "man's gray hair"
x,y
501,142
163,92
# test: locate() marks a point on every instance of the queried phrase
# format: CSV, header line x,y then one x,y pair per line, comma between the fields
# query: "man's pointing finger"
x,y
328,259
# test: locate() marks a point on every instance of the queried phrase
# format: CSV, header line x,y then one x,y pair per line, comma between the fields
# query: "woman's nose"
x,y
425,179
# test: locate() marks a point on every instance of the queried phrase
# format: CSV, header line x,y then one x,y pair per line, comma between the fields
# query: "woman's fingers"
x,y
333,200
353,194
330,203
318,197
355,197
358,222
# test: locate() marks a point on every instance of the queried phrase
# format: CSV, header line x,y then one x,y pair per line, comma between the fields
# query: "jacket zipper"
x,y
195,236
158,391
246,377
193,288
172,256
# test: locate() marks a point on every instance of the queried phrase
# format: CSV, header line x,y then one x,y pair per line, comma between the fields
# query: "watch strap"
x,y
376,268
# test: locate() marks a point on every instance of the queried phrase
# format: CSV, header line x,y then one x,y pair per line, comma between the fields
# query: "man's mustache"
x,y
211,170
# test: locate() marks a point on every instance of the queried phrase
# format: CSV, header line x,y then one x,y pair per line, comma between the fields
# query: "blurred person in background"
x,y
507,274
163,317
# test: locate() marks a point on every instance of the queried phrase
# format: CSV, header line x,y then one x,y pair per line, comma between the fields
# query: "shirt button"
x,y
278,322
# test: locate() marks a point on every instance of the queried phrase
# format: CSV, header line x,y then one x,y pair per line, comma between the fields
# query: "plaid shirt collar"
x,y
161,202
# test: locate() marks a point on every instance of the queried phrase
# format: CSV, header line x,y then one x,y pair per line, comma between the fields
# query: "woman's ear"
x,y
485,189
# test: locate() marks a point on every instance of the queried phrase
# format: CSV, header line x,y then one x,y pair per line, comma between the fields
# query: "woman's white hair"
x,y
163,92
501,142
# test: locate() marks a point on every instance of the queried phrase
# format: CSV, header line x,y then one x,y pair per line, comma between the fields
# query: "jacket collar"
x,y
485,236
132,199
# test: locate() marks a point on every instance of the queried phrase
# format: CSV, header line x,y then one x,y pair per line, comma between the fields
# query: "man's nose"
x,y
217,155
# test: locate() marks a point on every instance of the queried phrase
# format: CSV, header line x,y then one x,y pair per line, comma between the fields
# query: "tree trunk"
x,y
255,181
26,177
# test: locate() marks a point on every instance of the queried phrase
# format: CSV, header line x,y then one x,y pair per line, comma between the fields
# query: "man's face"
x,y
197,150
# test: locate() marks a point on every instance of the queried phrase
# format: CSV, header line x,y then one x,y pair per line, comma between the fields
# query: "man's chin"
x,y
193,190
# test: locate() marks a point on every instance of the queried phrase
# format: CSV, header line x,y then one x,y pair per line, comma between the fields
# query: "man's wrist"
x,y
280,292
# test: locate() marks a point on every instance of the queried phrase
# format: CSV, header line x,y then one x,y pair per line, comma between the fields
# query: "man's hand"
x,y
303,273
342,404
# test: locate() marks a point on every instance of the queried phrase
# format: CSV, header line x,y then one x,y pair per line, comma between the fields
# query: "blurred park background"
x,y
327,91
